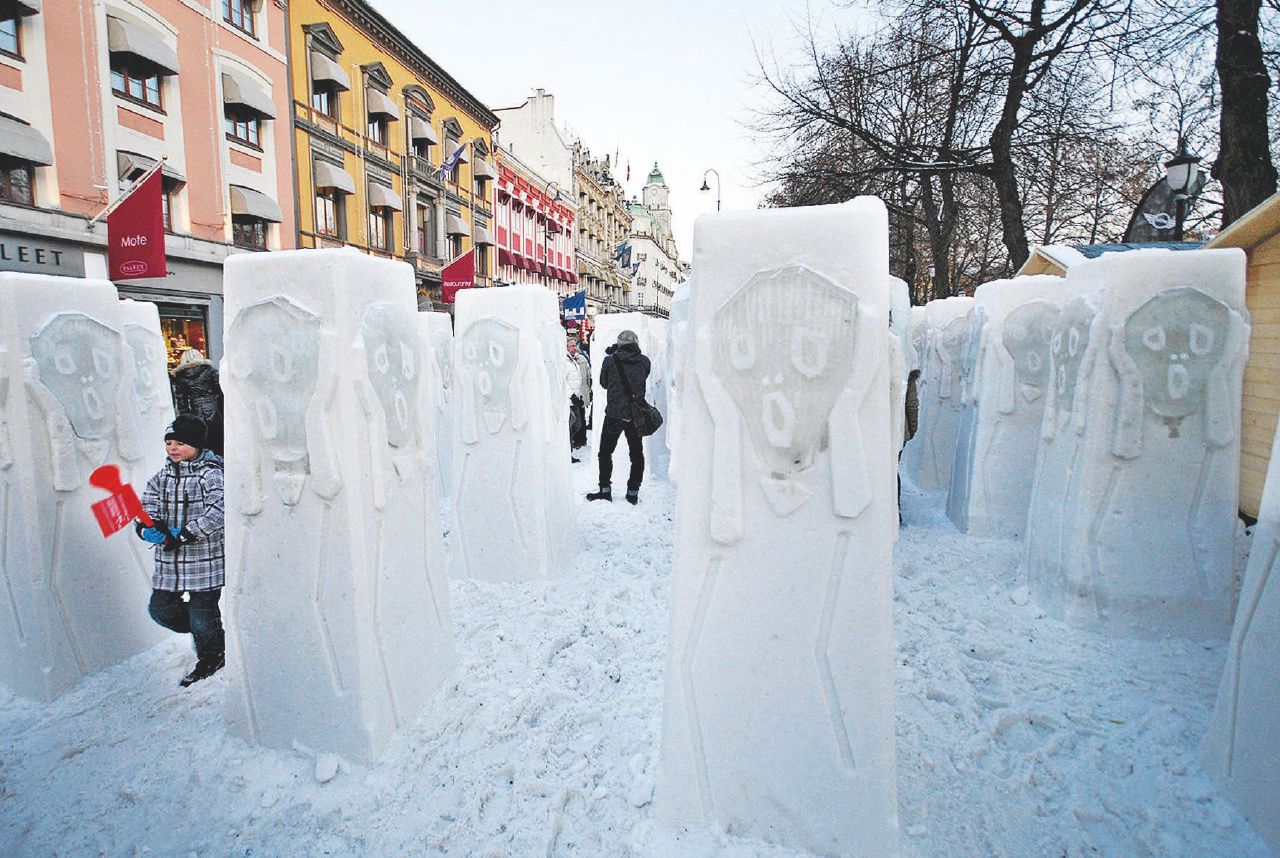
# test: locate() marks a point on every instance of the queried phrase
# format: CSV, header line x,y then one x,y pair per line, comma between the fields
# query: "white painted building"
x,y
654,255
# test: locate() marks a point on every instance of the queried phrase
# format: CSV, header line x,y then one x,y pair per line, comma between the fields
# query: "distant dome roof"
x,y
655,176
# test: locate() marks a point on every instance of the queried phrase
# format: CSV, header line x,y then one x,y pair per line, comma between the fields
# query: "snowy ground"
x,y
1017,736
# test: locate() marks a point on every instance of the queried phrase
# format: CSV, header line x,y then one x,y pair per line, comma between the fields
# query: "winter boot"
x,y
205,668
605,493
633,497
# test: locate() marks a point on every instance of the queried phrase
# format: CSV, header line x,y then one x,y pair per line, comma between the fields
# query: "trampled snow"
x,y
1016,735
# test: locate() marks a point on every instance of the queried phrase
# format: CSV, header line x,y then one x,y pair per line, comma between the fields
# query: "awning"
x,y
572,278
517,259
247,202
420,129
128,163
239,91
454,225
451,146
505,257
332,176
483,236
531,264
382,197
126,38
19,8
325,70
24,143
378,104
482,169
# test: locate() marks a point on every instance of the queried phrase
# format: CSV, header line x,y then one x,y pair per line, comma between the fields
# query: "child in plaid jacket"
x,y
185,500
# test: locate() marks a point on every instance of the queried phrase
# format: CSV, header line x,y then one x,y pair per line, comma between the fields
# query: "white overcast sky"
x,y
665,81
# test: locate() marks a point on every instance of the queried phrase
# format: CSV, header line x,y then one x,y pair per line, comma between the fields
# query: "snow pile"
x,y
1016,735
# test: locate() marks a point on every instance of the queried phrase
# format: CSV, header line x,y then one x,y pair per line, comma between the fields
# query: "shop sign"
x,y
39,256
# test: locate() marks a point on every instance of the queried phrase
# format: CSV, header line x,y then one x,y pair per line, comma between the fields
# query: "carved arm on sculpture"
x,y
252,498
1222,395
1126,439
945,368
1006,367
850,478
325,472
6,448
62,444
727,449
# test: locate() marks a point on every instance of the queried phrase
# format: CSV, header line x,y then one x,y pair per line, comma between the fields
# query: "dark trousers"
x,y
609,433
199,618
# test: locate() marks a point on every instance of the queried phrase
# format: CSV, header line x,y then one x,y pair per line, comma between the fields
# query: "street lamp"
x,y
1181,173
706,187
546,228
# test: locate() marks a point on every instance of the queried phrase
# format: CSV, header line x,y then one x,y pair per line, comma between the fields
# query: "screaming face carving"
x,y
1028,336
391,352
1067,349
78,361
491,348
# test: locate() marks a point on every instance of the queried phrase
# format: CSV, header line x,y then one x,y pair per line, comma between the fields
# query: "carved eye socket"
x,y
1056,343
1073,342
1201,339
103,364
742,352
64,363
380,359
281,364
407,364
1033,361
497,354
1154,338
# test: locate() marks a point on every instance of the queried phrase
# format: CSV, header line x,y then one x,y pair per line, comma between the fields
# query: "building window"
x,y
455,246
249,232
329,213
239,14
136,84
10,43
425,237
380,229
422,149
377,130
16,182
165,208
243,127
324,99
482,261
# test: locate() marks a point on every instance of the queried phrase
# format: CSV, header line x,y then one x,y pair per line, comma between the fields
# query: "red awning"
x,y
505,257
573,278
531,264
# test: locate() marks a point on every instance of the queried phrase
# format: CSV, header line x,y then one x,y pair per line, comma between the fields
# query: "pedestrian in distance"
x,y
911,407
623,374
185,503
197,393
578,383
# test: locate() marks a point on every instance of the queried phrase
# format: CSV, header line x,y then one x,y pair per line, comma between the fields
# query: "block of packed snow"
x,y
652,334
902,358
1133,509
337,598
1012,324
927,458
678,349
1240,749
778,715
919,336
436,330
73,602
513,510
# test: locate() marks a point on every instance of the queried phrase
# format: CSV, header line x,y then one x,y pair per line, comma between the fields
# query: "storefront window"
x,y
183,328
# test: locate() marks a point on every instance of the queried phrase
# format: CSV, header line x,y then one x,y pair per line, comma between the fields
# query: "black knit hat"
x,y
189,430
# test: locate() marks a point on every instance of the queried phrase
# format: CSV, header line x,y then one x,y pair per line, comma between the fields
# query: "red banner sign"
x,y
459,274
121,507
135,233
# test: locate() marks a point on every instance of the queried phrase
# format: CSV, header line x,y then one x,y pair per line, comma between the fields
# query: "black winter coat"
x,y
623,358
196,390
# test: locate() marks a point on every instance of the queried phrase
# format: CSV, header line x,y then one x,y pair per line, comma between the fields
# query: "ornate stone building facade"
x,y
653,250
604,222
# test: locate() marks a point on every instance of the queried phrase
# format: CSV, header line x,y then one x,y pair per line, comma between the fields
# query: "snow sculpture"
x,y
778,718
677,358
902,357
652,334
74,602
332,507
1132,515
436,333
1005,397
919,337
512,498
928,458
1242,744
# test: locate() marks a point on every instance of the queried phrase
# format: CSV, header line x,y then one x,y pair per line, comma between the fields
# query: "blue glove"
x,y
177,536
156,534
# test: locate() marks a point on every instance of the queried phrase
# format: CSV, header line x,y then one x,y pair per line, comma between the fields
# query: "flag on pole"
x,y
628,169
135,232
622,255
459,274
446,166
575,306
635,268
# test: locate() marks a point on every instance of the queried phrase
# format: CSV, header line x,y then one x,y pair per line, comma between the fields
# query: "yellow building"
x,y
374,120
1258,234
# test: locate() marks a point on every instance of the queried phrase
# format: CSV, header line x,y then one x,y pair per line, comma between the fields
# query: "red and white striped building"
x,y
535,228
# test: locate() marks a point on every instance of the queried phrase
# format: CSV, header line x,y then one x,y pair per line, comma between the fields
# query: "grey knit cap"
x,y
625,337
